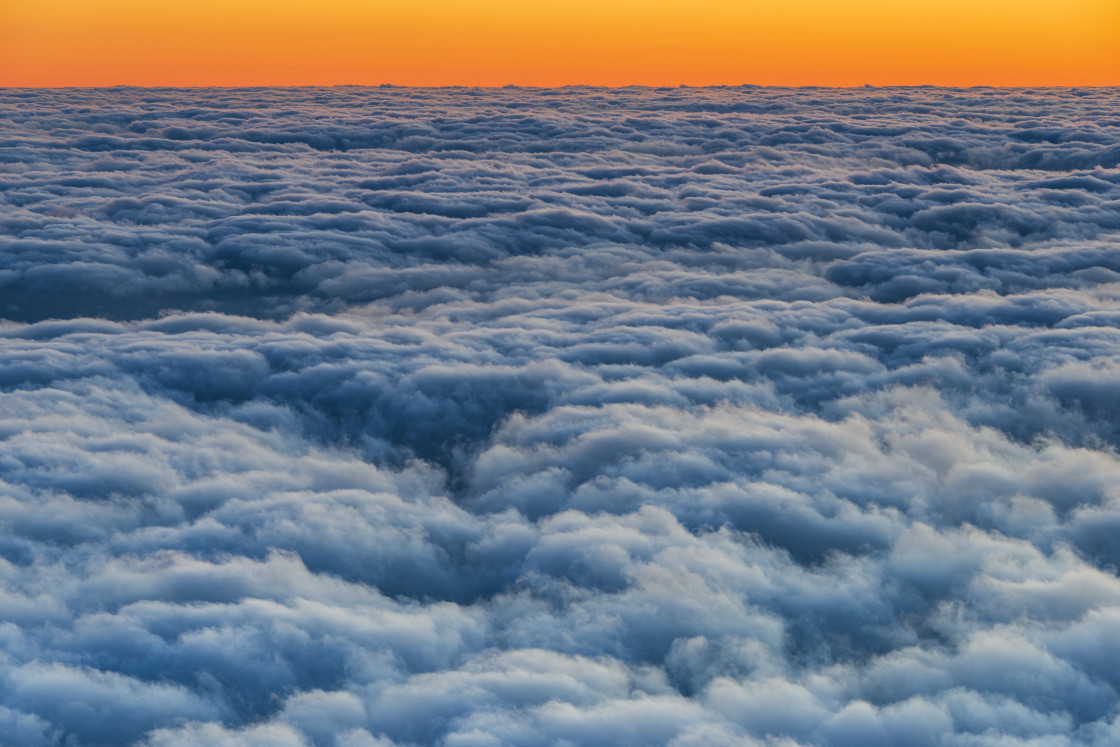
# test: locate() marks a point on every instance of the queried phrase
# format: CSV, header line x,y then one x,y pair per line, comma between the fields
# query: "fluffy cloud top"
x,y
478,417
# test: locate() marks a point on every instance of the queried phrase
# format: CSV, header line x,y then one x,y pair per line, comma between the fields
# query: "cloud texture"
x,y
635,416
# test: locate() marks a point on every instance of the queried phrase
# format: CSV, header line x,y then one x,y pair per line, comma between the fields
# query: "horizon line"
x,y
516,86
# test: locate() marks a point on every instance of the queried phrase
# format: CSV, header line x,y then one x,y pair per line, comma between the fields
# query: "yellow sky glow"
x,y
554,42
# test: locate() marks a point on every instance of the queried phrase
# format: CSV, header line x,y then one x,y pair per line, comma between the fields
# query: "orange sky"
x,y
556,42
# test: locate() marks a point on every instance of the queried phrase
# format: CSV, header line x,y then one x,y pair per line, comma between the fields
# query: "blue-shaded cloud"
x,y
578,416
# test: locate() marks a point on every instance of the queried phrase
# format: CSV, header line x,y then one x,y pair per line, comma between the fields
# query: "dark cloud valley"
x,y
463,417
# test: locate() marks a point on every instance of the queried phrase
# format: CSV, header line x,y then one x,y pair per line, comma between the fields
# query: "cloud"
x,y
465,417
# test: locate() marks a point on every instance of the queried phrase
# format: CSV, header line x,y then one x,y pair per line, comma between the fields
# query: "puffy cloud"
x,y
581,416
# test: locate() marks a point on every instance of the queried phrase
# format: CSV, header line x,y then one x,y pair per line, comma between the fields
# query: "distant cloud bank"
x,y
575,416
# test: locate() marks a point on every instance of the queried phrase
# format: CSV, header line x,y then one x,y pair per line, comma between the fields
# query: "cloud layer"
x,y
633,416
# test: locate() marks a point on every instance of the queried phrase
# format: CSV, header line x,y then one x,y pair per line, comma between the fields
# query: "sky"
x,y
550,43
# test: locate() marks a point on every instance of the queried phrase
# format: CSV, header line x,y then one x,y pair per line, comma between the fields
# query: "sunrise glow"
x,y
497,42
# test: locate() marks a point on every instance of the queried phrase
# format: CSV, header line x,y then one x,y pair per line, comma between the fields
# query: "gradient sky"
x,y
605,42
